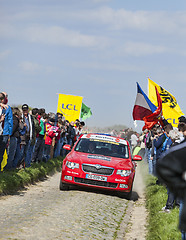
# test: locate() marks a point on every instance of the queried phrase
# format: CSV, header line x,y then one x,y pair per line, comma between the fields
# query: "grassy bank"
x,y
161,225
11,181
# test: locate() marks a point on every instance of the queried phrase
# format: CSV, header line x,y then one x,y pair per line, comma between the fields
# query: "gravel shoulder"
x,y
137,224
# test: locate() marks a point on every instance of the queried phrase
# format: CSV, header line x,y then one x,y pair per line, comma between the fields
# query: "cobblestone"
x,y
43,212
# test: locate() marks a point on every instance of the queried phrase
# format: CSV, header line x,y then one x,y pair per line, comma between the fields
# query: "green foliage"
x,y
161,225
11,181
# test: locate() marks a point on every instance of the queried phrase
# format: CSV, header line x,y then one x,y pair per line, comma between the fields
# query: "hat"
x,y
52,119
24,107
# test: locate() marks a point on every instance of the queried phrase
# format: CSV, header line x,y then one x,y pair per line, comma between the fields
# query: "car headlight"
x,y
72,165
123,173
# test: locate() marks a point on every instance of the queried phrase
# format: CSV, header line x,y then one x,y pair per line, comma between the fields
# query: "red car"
x,y
101,161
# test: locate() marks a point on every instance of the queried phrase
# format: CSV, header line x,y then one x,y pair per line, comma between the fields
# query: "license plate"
x,y
95,177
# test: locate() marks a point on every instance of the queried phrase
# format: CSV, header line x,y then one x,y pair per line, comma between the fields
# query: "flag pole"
x,y
148,86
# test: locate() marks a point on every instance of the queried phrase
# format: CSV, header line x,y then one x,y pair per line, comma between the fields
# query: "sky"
x,y
97,49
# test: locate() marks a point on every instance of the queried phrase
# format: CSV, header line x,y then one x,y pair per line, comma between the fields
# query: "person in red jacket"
x,y
51,131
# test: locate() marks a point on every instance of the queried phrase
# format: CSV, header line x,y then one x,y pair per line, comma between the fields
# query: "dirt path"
x,y
136,228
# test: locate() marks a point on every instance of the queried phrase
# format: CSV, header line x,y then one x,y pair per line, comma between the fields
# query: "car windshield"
x,y
102,148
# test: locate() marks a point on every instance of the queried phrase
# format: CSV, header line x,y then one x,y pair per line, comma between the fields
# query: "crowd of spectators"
x,y
159,139
31,135
165,153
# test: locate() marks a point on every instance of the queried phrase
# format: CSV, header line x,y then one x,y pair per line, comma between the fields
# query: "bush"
x,y
11,181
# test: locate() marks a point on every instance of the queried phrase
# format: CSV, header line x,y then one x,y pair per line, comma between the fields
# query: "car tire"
x,y
63,186
126,195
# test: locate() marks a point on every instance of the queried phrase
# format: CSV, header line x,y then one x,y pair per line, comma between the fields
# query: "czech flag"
x,y
143,106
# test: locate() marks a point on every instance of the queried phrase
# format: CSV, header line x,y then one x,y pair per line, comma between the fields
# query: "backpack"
x,y
37,126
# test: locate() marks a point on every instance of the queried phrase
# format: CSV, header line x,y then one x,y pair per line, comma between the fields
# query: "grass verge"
x,y
11,181
161,225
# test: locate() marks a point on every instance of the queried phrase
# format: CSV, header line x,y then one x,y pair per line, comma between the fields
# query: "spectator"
x,y
35,113
57,117
39,145
60,140
134,140
155,131
148,147
78,128
181,129
162,142
171,169
142,145
175,137
70,133
37,128
182,119
27,140
50,134
6,124
13,139
22,132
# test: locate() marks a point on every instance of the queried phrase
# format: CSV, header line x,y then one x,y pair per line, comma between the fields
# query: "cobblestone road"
x,y
44,212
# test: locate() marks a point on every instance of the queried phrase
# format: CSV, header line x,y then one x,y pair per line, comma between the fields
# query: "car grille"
x,y
99,170
95,182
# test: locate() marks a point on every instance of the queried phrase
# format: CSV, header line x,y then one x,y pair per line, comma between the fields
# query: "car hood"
x,y
86,158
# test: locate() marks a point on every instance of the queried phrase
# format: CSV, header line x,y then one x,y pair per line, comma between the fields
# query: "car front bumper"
x,y
114,182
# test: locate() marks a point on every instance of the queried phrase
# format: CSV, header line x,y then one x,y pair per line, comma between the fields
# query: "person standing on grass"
x,y
70,132
35,113
175,137
50,135
13,139
148,146
22,131
6,124
171,169
162,143
39,145
27,139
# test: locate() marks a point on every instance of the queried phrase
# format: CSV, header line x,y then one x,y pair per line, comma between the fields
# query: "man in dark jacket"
x,y
70,132
27,140
163,142
171,169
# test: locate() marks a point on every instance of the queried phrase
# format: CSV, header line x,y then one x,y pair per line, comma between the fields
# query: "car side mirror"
x,y
137,158
67,147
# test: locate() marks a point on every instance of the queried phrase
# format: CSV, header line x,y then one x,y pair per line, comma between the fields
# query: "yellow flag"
x,y
171,109
4,162
69,106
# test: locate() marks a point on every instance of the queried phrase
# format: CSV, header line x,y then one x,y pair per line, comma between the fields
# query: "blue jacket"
x,y
159,144
8,122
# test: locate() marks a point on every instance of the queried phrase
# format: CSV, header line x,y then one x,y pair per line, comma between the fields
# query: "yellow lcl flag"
x,y
170,107
69,106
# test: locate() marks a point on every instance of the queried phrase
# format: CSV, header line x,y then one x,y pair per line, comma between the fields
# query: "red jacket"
x,y
51,132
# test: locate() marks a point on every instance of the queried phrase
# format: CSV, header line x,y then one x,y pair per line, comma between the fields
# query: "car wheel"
x,y
126,195
63,186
